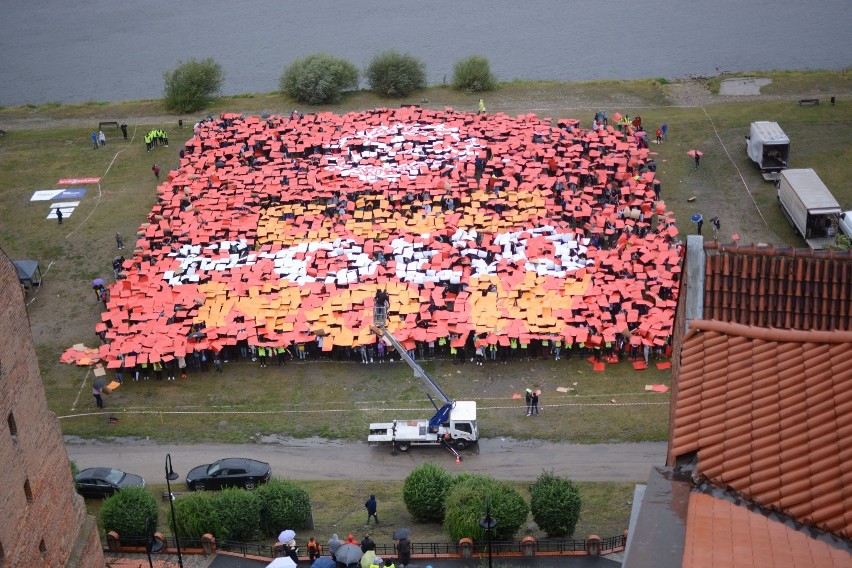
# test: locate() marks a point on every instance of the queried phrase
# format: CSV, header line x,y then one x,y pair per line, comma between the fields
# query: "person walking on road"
x,y
371,509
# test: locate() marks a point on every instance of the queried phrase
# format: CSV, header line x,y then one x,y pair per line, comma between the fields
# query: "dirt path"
x,y
314,458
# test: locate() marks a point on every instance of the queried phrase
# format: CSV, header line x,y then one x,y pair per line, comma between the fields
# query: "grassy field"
x,y
337,400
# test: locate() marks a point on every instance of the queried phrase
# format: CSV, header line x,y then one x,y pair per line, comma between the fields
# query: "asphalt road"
x,y
318,459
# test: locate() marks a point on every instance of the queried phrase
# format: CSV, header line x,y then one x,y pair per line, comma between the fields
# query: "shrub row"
x,y
322,78
433,495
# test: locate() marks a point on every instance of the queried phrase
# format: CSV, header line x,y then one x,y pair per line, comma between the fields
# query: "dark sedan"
x,y
229,472
104,481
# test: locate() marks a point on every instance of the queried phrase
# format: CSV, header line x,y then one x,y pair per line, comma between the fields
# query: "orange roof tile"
x,y
769,413
722,534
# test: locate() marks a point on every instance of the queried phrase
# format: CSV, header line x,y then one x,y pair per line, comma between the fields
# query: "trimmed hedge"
x,y
197,515
465,506
283,505
425,490
556,504
239,514
125,511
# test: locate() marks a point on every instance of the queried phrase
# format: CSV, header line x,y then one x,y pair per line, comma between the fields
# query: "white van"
x,y
844,223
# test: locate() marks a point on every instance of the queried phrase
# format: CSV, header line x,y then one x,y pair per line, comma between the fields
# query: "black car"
x,y
104,481
229,472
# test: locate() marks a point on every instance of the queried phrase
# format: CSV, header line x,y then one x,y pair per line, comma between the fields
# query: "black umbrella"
x,y
348,554
401,533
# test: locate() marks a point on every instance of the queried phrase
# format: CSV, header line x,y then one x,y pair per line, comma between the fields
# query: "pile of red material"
x,y
282,230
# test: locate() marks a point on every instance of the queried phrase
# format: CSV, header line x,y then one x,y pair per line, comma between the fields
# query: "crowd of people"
x,y
494,238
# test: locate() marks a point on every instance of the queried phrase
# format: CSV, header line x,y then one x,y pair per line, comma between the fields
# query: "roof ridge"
x,y
768,333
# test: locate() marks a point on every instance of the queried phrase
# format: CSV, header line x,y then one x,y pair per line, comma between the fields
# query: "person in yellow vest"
x,y
557,348
481,107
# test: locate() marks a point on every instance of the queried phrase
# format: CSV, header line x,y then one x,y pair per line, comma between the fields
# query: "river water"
x,y
109,50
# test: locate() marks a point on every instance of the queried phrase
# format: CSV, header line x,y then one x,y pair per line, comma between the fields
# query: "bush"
x,y
197,514
555,504
465,504
192,85
318,79
125,512
239,514
473,74
394,74
283,505
425,490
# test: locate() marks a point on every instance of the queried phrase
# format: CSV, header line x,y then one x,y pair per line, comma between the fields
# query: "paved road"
x,y
314,459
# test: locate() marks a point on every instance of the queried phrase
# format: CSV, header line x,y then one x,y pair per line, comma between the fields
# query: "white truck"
x,y
769,148
453,425
809,206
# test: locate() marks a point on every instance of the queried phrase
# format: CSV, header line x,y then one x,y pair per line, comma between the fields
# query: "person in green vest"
x,y
481,107
557,348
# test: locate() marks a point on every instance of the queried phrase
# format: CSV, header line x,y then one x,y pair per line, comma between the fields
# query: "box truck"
x,y
769,148
809,206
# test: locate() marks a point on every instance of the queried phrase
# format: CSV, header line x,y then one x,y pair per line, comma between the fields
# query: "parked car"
x,y
229,472
104,481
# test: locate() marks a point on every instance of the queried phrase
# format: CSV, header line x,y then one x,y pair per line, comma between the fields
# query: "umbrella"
x,y
324,562
401,533
349,554
696,218
100,383
282,562
287,536
98,282
694,152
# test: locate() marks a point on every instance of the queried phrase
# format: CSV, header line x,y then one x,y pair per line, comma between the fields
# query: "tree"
x,y
394,74
125,511
465,506
555,504
197,515
473,74
192,85
318,79
424,492
283,504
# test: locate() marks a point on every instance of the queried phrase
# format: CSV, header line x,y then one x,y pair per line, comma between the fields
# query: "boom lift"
x,y
454,423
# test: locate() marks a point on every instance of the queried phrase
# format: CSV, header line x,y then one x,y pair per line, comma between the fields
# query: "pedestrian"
x,y
59,215
700,224
403,550
481,107
96,392
528,398
716,226
367,543
334,545
156,169
314,549
697,158
124,130
534,402
119,241
371,509
291,550
116,266
665,131
102,138
659,136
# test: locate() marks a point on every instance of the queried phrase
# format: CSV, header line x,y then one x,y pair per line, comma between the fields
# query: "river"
x,y
110,50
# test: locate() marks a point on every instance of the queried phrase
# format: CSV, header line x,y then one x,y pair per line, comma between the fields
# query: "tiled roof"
x,y
784,288
721,534
769,413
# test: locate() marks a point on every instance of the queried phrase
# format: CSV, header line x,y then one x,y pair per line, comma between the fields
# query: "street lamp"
x,y
151,544
171,476
488,523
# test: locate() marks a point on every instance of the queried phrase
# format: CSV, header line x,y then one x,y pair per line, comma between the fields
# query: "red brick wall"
x,y
36,454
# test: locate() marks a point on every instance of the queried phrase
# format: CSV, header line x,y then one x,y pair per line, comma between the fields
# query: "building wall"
x,y
42,517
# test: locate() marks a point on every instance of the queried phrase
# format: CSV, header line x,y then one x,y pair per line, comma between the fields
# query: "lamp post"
x,y
151,544
171,476
488,523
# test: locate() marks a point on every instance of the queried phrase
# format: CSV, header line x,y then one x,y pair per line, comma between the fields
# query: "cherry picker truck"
x,y
454,423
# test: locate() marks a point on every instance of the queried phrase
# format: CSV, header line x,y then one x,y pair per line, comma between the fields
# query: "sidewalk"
x,y
228,561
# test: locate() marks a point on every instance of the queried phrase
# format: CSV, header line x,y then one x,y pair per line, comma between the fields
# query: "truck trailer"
x,y
809,206
768,147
